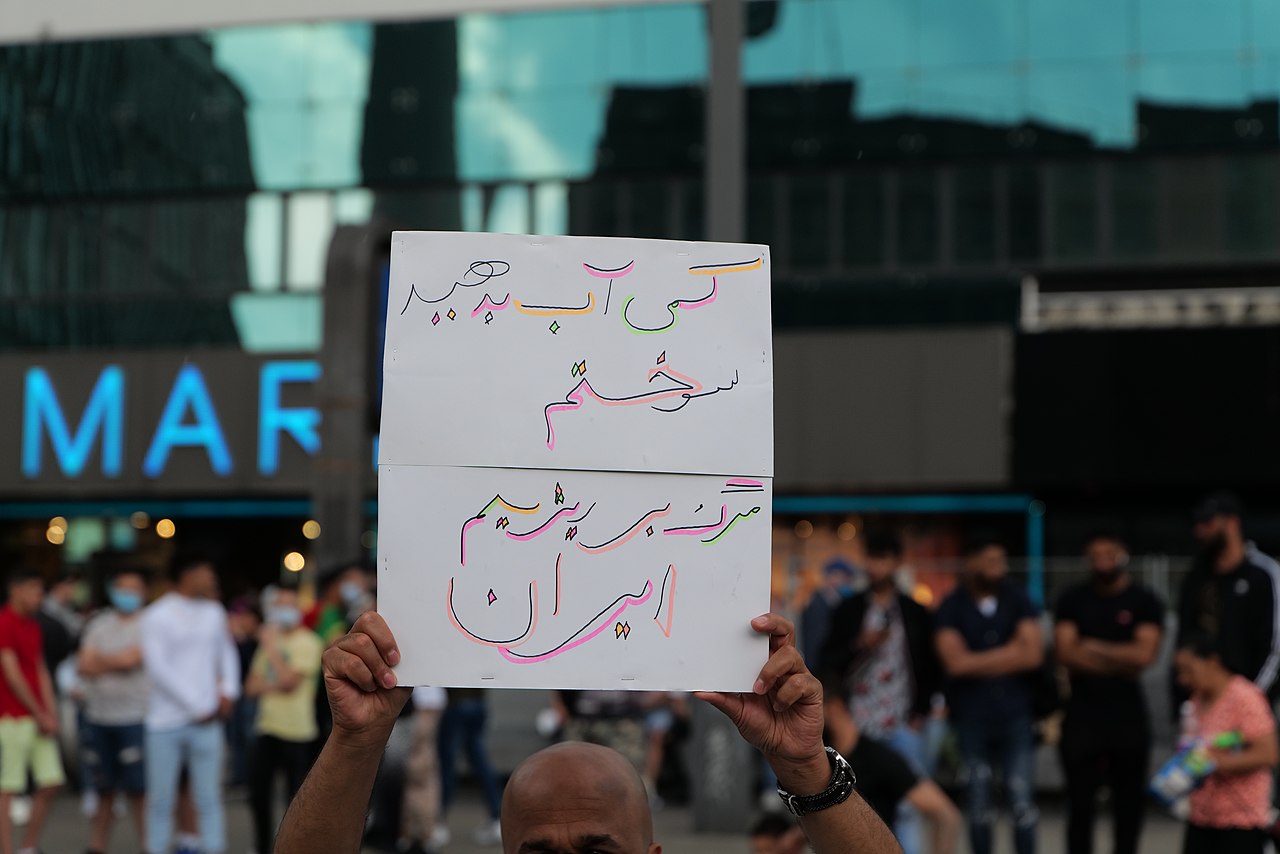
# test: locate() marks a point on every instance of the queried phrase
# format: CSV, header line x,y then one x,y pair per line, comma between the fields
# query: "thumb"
x,y
729,704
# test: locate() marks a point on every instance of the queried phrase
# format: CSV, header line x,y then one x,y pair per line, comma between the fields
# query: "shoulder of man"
x,y
1147,595
908,605
850,605
1070,599
1015,593
1261,564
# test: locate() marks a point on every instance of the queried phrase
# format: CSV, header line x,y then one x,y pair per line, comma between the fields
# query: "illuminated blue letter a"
x,y
189,392
104,413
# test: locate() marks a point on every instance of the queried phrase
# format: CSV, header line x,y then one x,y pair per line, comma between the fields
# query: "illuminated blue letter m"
x,y
103,414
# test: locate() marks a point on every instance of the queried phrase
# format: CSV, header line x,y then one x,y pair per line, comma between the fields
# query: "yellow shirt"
x,y
291,715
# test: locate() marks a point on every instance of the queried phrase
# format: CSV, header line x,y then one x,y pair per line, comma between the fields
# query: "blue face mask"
x,y
351,592
286,617
125,601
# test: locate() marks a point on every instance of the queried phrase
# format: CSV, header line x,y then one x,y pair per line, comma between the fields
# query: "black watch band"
x,y
836,792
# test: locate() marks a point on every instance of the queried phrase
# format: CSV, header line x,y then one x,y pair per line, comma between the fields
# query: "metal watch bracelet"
x,y
836,792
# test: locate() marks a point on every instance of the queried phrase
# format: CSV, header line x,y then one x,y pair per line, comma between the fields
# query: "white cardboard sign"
x,y
576,461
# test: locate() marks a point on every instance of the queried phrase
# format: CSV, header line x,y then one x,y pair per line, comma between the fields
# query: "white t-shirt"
x,y
189,658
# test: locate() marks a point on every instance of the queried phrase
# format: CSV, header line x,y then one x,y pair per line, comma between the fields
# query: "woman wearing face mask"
x,y
115,686
283,675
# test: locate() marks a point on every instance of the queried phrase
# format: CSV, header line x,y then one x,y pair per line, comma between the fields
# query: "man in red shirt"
x,y
28,715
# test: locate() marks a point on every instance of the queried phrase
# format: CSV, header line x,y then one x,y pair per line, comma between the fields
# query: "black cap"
x,y
882,542
1218,504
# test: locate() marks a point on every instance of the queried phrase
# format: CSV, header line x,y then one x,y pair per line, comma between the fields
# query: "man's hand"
x,y
872,638
47,723
360,683
782,718
269,635
225,707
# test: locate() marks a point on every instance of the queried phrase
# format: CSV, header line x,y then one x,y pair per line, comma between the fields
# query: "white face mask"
x,y
285,616
352,592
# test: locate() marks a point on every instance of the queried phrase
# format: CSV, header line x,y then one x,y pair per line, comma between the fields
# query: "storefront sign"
x,y
158,423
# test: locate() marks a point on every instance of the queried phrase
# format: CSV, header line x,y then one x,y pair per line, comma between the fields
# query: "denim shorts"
x,y
113,757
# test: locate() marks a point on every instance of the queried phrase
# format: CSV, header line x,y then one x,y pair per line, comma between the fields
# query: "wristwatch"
x,y
836,792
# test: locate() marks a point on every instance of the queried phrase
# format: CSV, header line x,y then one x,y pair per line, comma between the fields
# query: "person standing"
x,y
28,713
245,619
344,594
989,643
462,727
283,676
1232,594
115,710
421,808
60,623
815,620
880,666
195,678
1230,810
1106,633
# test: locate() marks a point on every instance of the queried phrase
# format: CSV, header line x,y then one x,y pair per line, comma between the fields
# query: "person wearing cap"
x,y
815,620
1232,594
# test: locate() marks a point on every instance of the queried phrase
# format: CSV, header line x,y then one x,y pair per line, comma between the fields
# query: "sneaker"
x,y
20,810
489,834
440,837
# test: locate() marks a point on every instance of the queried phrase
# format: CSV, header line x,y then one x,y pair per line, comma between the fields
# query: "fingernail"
x,y
389,679
760,620
759,686
393,657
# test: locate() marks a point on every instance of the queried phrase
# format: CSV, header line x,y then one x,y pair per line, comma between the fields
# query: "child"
x,y
1230,810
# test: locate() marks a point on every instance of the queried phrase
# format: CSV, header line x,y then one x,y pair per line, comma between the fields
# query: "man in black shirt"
x,y
1107,632
1231,594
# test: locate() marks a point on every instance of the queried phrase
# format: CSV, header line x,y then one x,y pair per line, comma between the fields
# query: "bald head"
x,y
572,798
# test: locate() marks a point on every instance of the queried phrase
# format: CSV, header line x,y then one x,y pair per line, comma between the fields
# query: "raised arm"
x,y
783,719
1023,652
328,813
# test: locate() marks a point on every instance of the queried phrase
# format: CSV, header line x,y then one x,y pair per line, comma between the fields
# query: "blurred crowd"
x,y
164,697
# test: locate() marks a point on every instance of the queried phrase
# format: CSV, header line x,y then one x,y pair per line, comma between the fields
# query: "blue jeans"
x,y
462,726
199,747
910,745
985,745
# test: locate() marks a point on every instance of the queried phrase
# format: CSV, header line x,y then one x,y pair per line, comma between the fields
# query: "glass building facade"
x,y
914,156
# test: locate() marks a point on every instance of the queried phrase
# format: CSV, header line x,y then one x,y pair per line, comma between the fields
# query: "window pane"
x,y
310,227
918,216
1078,29
1253,205
974,214
968,33
1075,211
864,218
1133,188
1173,26
810,222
